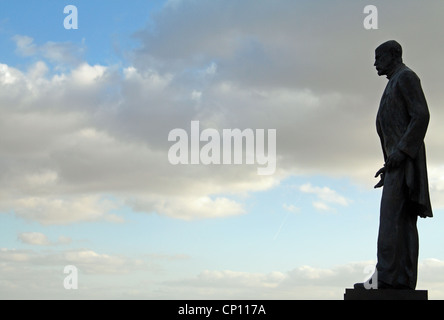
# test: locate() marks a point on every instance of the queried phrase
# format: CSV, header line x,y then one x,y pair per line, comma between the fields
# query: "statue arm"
x,y
416,105
381,172
381,138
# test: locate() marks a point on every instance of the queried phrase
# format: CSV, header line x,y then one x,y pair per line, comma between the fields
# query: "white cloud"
x,y
57,210
86,260
188,208
87,75
41,178
325,196
147,80
436,185
25,45
55,52
62,166
302,283
33,274
34,238
12,255
92,131
8,75
90,261
38,70
24,272
321,206
228,278
40,239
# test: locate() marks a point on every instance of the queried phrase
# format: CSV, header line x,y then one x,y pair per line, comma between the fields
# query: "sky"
x,y
85,116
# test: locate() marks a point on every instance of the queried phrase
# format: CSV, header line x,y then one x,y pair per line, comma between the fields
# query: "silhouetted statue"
x,y
401,123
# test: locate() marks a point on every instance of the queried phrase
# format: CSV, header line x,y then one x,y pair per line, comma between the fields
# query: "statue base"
x,y
385,294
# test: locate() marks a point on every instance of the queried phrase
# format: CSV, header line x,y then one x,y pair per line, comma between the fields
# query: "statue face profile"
x,y
383,61
387,56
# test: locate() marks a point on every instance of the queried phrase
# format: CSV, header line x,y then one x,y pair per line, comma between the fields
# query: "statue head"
x,y
387,57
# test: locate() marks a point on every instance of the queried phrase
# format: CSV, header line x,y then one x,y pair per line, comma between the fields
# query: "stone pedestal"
x,y
385,294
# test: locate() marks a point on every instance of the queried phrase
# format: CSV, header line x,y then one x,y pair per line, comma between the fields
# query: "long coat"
x,y
401,123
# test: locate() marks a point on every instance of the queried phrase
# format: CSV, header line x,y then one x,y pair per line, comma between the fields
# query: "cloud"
x,y
34,238
75,143
302,283
188,208
325,197
321,206
40,239
57,210
280,51
25,45
436,185
88,261
75,135
91,262
59,53
25,272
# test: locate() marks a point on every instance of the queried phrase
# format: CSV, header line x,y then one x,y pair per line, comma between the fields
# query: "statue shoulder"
x,y
407,73
407,77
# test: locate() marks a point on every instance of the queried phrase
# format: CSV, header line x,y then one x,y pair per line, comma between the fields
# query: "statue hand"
x,y
381,172
395,159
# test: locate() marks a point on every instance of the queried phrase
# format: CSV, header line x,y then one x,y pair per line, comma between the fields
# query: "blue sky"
x,y
85,116
104,28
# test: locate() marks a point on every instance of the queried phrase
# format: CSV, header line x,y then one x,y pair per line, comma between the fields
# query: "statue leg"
x,y
398,244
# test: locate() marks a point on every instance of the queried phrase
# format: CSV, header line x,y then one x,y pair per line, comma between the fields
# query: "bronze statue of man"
x,y
401,123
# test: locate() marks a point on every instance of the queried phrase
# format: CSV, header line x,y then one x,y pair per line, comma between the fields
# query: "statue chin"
x,y
380,72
